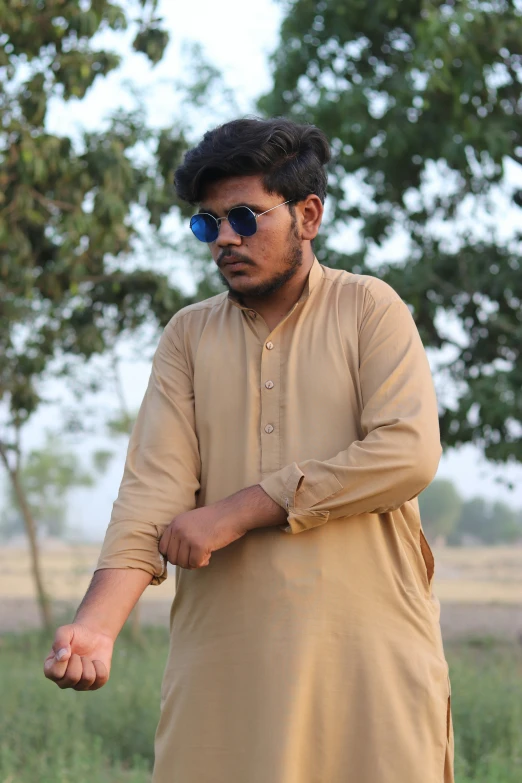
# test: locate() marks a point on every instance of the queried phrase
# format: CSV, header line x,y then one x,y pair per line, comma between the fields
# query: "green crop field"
x,y
53,736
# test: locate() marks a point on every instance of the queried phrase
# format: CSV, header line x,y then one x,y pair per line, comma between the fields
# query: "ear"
x,y
310,211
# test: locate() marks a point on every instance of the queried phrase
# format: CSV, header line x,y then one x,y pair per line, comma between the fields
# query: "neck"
x,y
276,305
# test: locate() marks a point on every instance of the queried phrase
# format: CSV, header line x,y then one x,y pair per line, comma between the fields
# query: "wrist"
x,y
94,624
257,509
110,598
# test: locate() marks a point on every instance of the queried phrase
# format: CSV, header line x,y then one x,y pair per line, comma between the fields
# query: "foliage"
x,y
422,103
444,513
490,523
68,212
487,712
48,475
440,507
114,727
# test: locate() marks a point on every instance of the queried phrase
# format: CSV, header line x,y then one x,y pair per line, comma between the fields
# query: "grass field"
x,y
53,736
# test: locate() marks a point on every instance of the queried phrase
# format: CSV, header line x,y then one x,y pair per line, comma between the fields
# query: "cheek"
x,y
269,250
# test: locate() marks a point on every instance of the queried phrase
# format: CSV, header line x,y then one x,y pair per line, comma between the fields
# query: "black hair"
x,y
290,157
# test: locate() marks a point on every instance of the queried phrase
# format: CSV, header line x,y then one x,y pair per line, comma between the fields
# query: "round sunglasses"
x,y
243,220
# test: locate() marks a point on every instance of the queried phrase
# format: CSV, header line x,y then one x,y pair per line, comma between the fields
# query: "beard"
x,y
292,261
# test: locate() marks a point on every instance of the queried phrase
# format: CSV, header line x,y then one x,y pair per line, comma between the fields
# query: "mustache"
x,y
226,256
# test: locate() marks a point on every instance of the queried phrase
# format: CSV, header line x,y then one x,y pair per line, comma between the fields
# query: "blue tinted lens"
x,y
243,221
204,227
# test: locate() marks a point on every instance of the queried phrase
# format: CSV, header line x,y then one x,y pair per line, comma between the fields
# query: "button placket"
x,y
270,406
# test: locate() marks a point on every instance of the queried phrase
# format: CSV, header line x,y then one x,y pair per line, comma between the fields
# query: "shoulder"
x,y
193,317
360,295
366,287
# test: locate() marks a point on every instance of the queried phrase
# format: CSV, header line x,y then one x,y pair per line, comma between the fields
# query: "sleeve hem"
x,y
317,492
282,486
126,562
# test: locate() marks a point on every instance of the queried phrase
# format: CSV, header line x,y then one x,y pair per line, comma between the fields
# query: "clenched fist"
x,y
80,658
191,537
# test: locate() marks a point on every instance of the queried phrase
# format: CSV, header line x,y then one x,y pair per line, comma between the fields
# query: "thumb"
x,y
164,542
62,642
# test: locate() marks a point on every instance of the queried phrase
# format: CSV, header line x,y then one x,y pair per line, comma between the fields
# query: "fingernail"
x,y
60,655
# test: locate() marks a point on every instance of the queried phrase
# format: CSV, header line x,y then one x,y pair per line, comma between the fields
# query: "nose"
x,y
227,235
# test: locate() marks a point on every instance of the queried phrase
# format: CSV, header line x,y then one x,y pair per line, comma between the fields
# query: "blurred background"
x,y
422,102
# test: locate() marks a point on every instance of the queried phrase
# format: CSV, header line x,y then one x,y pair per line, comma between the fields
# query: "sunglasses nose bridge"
x,y
227,234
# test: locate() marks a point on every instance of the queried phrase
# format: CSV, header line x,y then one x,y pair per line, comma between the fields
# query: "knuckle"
x,y
83,685
198,556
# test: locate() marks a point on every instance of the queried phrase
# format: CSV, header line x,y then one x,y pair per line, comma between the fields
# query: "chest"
x,y
302,375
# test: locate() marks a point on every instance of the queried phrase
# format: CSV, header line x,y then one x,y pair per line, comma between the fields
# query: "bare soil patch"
x,y
480,589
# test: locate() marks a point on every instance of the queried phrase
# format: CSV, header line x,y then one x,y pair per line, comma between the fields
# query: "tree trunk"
x,y
30,527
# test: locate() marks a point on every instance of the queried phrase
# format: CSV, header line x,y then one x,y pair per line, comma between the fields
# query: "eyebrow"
x,y
254,207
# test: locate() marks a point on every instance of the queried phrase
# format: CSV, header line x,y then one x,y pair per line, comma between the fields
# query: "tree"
x,y
489,523
440,506
69,285
47,476
422,103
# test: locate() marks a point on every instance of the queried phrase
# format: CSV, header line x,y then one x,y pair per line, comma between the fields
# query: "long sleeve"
x,y
400,451
162,468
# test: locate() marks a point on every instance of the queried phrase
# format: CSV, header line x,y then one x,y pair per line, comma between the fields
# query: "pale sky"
x,y
237,37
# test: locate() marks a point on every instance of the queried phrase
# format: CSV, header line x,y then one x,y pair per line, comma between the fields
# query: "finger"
x,y
54,670
165,541
88,675
55,664
198,558
183,555
102,675
73,674
172,552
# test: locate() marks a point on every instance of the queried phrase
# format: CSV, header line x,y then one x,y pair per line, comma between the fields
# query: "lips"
x,y
233,263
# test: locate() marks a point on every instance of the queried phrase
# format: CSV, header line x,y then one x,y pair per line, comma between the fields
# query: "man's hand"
x,y
80,658
191,537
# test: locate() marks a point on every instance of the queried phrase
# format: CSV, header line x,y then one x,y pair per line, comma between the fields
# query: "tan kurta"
x,y
309,658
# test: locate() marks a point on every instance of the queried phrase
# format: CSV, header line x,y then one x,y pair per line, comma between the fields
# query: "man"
x,y
287,429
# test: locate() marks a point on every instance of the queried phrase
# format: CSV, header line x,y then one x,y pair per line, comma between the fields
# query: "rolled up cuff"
x,y
131,545
282,485
289,488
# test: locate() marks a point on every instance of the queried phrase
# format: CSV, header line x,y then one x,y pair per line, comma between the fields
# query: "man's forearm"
x,y
257,508
110,598
193,536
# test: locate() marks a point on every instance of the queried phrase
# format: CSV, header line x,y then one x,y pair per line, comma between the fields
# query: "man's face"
x,y
258,265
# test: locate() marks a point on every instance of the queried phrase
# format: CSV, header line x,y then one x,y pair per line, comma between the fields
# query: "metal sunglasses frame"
x,y
239,206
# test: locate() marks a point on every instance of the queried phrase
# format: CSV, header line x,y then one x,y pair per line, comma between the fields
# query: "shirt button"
x,y
269,346
252,313
269,428
269,384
